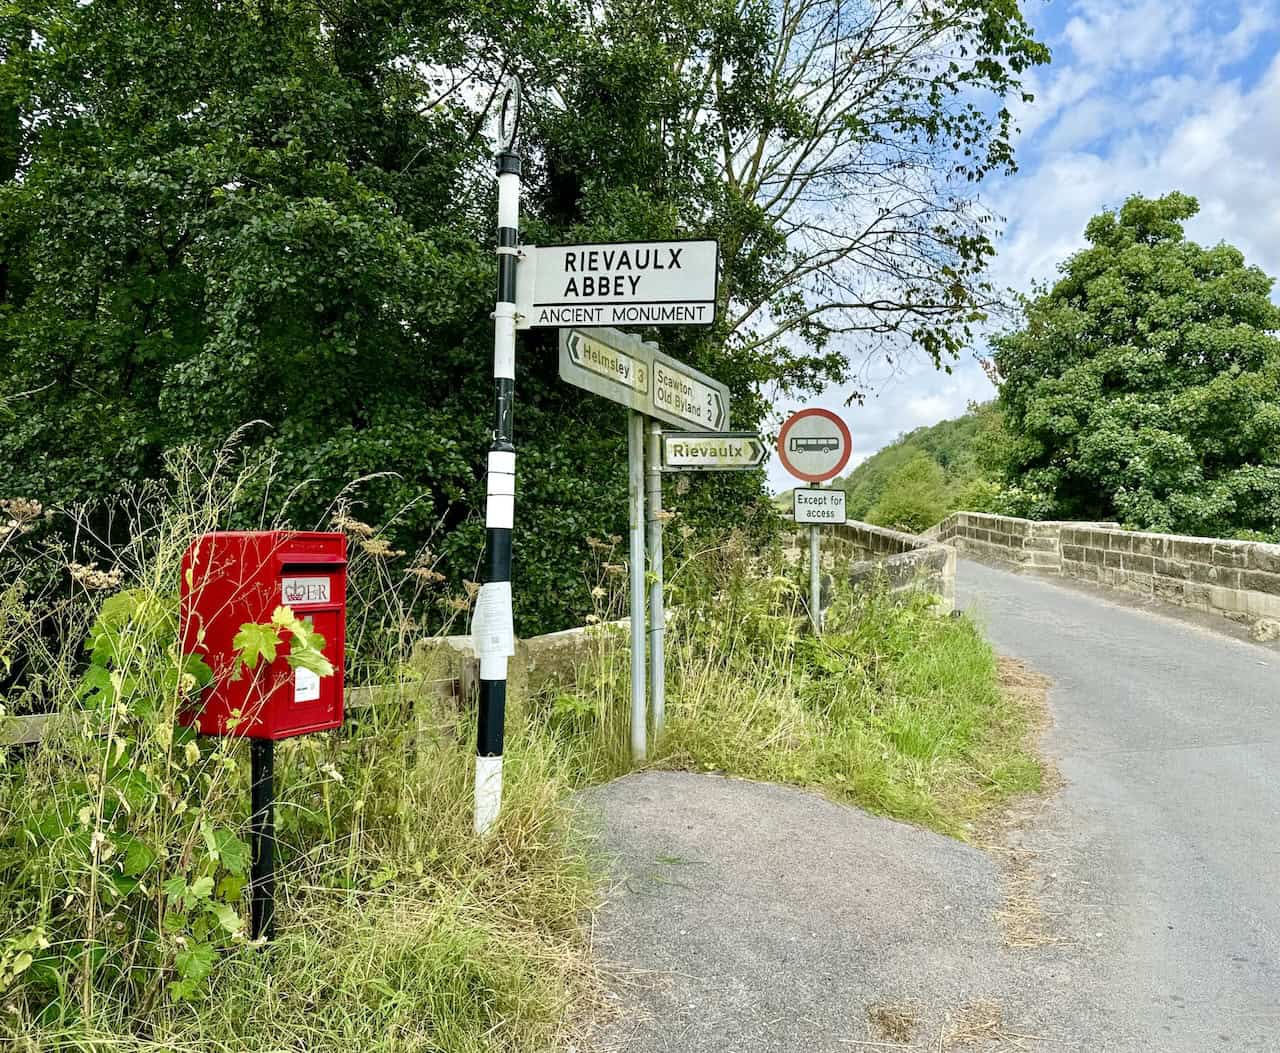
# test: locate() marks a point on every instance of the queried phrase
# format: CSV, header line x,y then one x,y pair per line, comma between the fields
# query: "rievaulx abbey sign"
x,y
623,283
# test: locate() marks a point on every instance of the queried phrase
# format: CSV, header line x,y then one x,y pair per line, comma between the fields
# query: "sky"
x,y
1142,96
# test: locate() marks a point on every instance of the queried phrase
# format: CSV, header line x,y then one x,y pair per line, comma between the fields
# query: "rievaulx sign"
x,y
636,283
711,451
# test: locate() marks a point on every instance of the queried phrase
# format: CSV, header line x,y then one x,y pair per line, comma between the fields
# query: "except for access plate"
x,y
817,505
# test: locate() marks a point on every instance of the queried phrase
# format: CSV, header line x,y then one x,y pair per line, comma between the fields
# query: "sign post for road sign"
x,y
622,283
814,445
491,624
634,373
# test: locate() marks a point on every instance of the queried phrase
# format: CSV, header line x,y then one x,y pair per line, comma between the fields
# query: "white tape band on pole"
x,y
501,483
493,667
500,511
508,200
502,461
504,341
488,792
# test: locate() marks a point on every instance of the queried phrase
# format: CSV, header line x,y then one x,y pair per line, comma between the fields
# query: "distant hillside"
x,y
927,473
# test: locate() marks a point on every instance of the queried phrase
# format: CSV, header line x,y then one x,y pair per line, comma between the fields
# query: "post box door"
x,y
310,702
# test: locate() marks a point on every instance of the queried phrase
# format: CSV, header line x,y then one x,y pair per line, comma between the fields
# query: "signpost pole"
x,y
500,503
815,580
657,613
635,487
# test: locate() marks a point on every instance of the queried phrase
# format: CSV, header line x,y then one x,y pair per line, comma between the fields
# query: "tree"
x,y
830,145
282,211
1145,385
915,497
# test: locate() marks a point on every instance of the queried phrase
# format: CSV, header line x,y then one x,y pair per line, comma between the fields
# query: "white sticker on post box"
x,y
306,685
304,590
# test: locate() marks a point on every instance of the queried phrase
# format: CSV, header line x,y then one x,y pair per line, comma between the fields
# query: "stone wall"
x,y
902,561
537,661
1239,580
1023,544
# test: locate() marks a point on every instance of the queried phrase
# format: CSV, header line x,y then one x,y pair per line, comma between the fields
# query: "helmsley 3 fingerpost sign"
x,y
587,289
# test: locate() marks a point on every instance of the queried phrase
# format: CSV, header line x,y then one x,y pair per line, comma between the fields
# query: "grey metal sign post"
x,y
625,369
635,493
657,604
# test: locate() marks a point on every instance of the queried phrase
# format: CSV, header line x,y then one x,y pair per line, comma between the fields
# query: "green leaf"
x,y
308,659
231,851
226,915
202,887
256,641
175,887
195,962
138,856
231,887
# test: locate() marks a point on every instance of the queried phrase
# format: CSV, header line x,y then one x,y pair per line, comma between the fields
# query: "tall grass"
x,y
122,837
122,851
893,708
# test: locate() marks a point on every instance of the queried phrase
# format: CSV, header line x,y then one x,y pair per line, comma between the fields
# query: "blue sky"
x,y
1142,96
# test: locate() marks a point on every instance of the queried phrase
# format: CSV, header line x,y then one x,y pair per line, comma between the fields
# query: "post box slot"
x,y
314,566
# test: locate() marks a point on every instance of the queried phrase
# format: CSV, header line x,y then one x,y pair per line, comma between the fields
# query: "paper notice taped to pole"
x,y
492,630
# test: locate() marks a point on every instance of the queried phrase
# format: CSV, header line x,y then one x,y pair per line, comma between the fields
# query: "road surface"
x,y
761,918
1161,854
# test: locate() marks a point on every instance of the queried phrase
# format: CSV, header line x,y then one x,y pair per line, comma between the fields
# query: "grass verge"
x,y
122,849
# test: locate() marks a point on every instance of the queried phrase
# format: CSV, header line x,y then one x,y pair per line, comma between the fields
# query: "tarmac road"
x,y
751,917
1165,839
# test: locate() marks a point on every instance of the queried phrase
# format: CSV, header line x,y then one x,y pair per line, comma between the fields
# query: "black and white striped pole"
x,y
492,626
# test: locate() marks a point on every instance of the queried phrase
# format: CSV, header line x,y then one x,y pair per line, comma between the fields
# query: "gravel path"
x,y
1146,893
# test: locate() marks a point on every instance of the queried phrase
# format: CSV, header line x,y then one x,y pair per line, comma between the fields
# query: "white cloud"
x,y
1145,99
1108,35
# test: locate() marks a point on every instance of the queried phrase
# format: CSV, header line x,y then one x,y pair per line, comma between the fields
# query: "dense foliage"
x,y
281,211
928,473
1144,385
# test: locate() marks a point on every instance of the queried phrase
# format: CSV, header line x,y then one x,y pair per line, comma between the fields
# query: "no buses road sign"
x,y
814,445
635,283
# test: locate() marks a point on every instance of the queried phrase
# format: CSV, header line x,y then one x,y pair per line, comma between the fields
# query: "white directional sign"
x,y
711,451
625,283
609,363
813,505
626,369
814,445
687,396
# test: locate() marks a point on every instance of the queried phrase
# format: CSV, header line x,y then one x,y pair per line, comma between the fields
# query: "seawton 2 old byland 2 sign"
x,y
623,283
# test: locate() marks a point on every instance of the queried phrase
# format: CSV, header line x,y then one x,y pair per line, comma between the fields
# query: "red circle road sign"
x,y
814,445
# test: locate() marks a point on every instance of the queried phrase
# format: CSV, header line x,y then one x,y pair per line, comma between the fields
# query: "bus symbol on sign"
x,y
813,445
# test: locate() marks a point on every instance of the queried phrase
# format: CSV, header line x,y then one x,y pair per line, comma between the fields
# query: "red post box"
x,y
233,577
